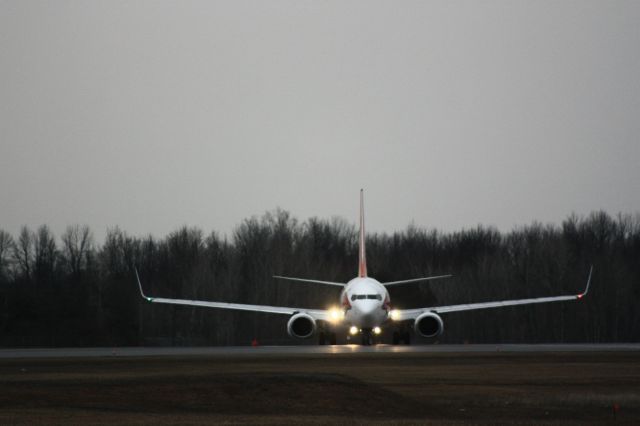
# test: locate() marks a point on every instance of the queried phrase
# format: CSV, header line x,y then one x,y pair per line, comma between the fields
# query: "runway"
x,y
239,351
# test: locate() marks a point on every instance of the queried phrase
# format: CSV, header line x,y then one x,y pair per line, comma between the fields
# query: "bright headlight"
x,y
335,315
353,329
377,330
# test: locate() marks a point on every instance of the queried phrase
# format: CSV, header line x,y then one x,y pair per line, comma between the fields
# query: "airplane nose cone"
x,y
366,306
367,310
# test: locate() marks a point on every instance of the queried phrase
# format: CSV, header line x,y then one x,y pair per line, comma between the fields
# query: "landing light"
x,y
394,315
377,330
353,330
335,315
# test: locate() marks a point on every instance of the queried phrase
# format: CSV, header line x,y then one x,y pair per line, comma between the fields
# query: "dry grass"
x,y
433,388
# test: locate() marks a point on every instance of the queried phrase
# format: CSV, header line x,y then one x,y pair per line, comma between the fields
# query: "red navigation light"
x,y
580,296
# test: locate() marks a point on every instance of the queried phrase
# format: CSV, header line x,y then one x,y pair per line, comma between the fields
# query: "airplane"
x,y
365,306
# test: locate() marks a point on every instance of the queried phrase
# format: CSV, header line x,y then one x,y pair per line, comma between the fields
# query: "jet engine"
x,y
429,324
301,326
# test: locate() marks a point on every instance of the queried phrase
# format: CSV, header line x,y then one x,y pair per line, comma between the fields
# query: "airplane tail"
x,y
362,264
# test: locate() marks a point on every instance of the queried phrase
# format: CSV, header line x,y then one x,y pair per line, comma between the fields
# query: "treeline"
x,y
70,291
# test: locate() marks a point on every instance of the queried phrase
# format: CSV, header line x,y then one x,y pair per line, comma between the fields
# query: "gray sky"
x,y
151,115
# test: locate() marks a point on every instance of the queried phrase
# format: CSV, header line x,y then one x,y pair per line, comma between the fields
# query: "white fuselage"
x,y
366,303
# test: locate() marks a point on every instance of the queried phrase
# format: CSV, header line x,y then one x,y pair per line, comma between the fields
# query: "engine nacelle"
x,y
301,326
429,324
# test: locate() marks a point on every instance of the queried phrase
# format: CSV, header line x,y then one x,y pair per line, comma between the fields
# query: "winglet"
x,y
586,290
140,286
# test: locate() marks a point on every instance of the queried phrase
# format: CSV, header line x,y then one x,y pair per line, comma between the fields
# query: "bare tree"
x,y
23,252
98,304
77,243
6,247
45,253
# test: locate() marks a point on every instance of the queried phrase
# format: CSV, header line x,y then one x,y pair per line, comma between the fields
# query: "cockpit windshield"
x,y
365,296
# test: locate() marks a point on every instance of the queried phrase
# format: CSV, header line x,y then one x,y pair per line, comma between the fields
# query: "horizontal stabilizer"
x,y
309,281
415,280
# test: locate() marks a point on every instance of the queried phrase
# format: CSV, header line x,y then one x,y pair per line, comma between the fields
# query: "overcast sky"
x,y
151,115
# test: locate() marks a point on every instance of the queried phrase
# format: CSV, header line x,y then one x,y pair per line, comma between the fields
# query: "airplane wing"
x,y
415,280
410,314
318,314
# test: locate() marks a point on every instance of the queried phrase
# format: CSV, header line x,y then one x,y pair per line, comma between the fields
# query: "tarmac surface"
x,y
306,350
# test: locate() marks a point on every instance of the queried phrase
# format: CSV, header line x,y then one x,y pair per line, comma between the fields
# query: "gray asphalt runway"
x,y
304,350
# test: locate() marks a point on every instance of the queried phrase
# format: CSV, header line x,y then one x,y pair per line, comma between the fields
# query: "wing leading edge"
x,y
318,314
410,314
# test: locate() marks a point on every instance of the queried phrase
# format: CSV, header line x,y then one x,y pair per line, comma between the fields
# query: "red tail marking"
x,y
362,266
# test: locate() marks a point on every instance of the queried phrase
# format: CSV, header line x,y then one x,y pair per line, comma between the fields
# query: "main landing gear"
x,y
401,336
368,336
327,338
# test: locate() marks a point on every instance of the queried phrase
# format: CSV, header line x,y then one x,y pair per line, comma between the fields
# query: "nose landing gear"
x,y
367,336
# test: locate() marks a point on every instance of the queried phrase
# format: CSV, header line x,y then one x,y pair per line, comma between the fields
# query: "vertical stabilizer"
x,y
362,265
